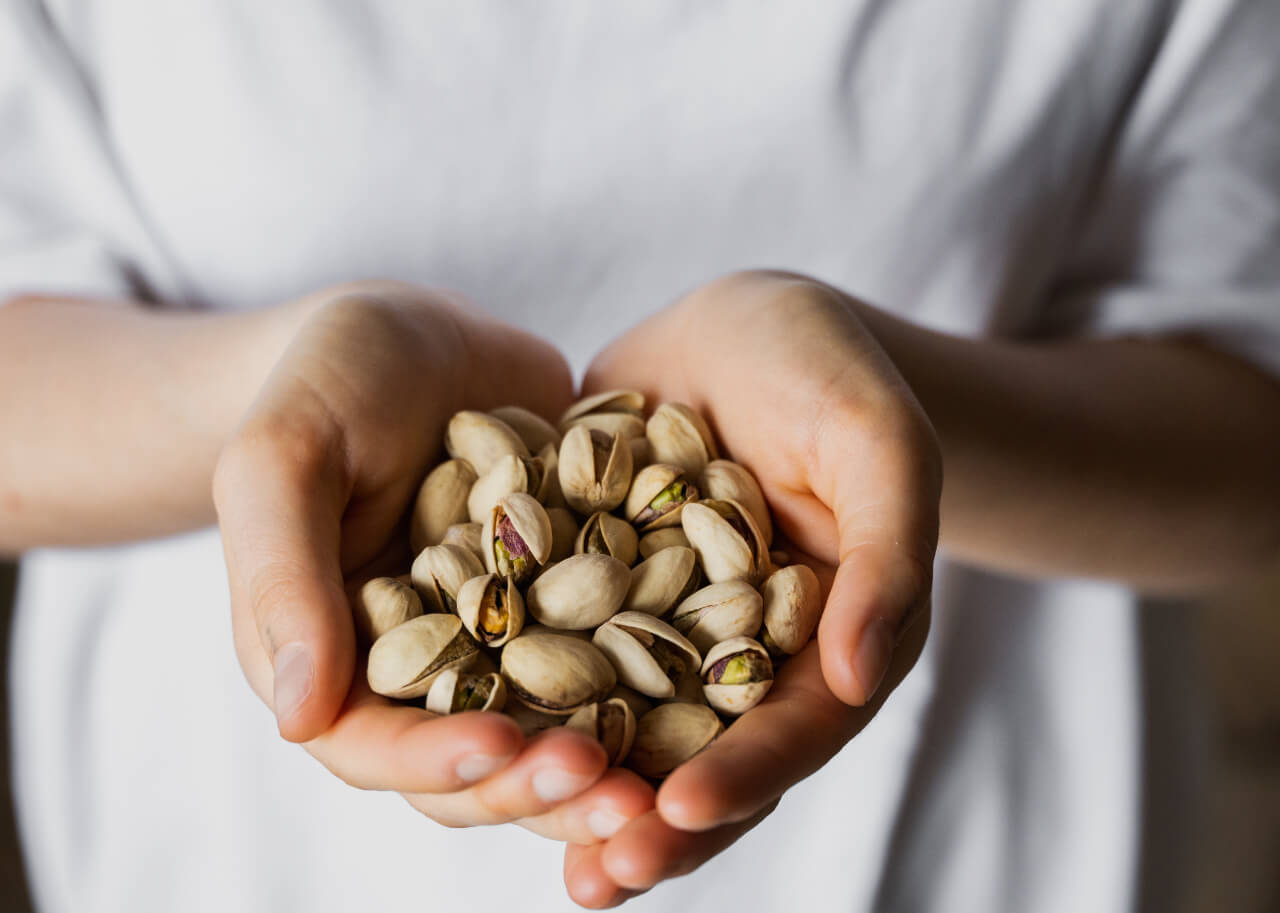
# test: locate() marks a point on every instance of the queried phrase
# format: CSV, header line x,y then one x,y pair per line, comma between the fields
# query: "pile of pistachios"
x,y
613,575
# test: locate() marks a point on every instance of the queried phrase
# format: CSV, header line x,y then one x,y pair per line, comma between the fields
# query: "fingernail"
x,y
294,678
551,784
871,658
605,823
478,766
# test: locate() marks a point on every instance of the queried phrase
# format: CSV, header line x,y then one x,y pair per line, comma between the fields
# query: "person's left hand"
x,y
797,390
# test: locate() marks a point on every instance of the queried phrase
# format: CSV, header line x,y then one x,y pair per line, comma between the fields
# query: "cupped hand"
x,y
312,488
798,391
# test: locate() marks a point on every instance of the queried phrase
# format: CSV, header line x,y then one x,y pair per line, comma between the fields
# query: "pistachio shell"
x,y
656,541
595,470
481,440
529,526
620,424
718,612
405,661
579,593
725,480
564,533
627,401
465,536
533,429
723,552
662,581
679,435
641,453
381,604
556,673
647,485
737,674
439,572
491,609
454,691
649,654
610,722
510,474
792,604
442,502
605,534
669,735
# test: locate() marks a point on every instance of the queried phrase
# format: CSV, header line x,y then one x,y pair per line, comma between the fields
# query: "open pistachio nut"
x,y
650,655
792,604
736,675
611,723
679,435
491,609
670,734
381,604
725,480
729,544
556,673
454,691
516,537
579,592
482,440
605,534
594,469
510,474
405,661
657,497
533,429
439,572
718,612
662,581
441,502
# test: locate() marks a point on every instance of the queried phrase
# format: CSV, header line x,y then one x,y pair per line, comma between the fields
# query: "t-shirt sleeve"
x,y
1182,231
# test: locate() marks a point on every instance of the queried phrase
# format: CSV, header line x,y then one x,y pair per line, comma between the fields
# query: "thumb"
x,y
280,491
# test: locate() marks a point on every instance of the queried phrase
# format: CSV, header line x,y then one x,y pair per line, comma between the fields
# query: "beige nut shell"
x,y
624,639
556,673
670,734
405,661
792,604
579,593
441,502
719,612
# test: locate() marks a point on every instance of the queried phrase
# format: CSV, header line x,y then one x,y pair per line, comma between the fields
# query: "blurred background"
x,y
1237,865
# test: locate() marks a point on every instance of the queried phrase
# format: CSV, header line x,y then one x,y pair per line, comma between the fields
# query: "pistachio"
x,y
556,673
481,440
516,537
725,480
670,734
728,542
718,612
662,580
614,424
657,496
439,572
454,692
564,533
629,402
605,534
405,661
737,674
595,470
580,592
491,609
649,654
656,541
510,474
381,604
792,604
680,436
465,536
611,723
442,502
533,429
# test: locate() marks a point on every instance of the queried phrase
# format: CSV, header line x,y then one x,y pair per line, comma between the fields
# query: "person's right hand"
x,y
312,488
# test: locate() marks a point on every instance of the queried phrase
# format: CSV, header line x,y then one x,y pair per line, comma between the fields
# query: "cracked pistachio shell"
x,y
650,655
441,502
656,541
736,675
610,722
662,581
723,551
624,401
510,474
615,424
454,691
564,533
725,480
381,604
578,593
465,536
556,673
481,440
594,469
792,604
670,734
405,661
439,572
647,485
531,527
491,609
679,435
533,429
719,612
605,534
641,454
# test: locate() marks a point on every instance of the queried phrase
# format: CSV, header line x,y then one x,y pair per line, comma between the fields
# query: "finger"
x,y
556,765
598,813
586,881
280,489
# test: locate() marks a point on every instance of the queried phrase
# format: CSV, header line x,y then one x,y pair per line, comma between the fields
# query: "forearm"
x,y
113,414
1153,462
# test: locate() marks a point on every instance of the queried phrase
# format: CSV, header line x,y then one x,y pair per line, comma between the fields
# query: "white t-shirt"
x,y
984,167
